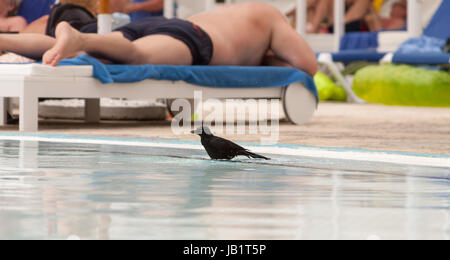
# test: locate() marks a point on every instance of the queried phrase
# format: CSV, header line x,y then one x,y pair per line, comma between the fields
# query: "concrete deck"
x,y
374,127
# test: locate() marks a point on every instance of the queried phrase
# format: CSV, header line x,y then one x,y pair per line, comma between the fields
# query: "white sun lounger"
x,y
29,82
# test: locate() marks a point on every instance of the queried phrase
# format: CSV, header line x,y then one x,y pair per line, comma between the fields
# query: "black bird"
x,y
222,149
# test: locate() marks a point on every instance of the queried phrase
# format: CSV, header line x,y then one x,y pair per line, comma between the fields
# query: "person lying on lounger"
x,y
138,9
248,34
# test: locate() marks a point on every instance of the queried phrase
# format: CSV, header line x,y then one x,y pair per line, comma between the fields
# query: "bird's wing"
x,y
226,144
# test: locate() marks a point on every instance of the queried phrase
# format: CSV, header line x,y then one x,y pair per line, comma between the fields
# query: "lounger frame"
x,y
300,104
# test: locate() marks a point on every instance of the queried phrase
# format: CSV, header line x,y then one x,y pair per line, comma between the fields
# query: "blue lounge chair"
x,y
418,58
438,28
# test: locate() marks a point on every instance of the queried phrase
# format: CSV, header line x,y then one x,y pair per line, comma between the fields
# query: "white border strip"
x,y
320,153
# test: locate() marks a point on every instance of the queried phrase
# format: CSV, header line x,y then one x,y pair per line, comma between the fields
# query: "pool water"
x,y
51,190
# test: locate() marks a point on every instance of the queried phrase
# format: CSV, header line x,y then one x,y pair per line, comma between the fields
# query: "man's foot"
x,y
68,43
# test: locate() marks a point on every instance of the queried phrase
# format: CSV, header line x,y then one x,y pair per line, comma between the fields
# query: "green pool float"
x,y
327,89
339,94
403,85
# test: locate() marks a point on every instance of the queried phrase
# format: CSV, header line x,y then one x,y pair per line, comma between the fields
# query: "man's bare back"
x,y
243,34
240,33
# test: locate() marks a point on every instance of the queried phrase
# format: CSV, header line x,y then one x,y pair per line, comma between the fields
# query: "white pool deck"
x,y
321,153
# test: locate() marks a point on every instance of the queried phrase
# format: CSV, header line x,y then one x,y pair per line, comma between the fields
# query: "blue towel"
x,y
208,76
422,50
423,44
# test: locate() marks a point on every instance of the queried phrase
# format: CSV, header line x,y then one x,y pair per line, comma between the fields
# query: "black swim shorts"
x,y
194,37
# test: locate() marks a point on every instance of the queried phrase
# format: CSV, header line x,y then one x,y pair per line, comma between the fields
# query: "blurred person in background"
x,y
322,16
9,20
397,19
35,13
138,9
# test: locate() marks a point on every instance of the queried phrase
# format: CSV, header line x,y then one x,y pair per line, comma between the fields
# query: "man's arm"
x,y
152,6
271,60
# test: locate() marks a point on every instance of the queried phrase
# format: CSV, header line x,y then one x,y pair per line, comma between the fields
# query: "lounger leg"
x,y
29,119
92,111
3,111
327,60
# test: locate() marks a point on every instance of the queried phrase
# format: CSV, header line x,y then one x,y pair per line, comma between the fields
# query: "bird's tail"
x,y
254,155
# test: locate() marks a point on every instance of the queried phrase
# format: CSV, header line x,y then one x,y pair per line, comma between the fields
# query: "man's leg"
x,y
154,49
357,11
37,26
322,10
162,49
70,41
30,45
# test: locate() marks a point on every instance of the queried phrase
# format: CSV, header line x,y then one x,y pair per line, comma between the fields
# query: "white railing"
x,y
414,21
415,18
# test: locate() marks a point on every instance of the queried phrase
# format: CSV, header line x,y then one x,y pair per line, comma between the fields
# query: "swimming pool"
x,y
58,187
